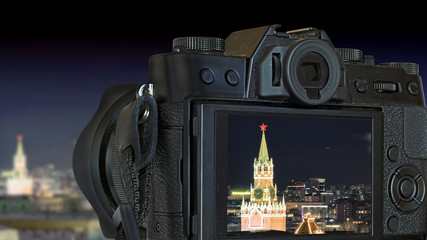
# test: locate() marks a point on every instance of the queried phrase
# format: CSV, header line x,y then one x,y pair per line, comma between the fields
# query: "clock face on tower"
x,y
258,193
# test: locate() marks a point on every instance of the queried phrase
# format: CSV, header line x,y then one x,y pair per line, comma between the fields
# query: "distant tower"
x,y
18,182
20,160
264,211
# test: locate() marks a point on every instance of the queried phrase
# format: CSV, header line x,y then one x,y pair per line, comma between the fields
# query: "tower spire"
x,y
19,146
263,203
18,182
263,151
20,159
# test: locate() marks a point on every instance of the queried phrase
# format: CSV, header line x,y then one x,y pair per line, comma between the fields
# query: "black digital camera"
x,y
264,135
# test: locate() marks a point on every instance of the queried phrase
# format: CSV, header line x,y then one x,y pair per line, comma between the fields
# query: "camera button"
x,y
206,76
413,88
421,189
393,223
361,85
393,153
232,77
408,206
408,171
407,188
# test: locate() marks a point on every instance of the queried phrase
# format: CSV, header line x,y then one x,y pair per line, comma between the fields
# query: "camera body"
x,y
202,88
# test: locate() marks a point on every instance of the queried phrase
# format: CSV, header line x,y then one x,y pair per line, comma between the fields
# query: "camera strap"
x,y
135,144
137,129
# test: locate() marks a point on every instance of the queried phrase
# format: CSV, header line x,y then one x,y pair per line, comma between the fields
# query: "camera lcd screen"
x,y
298,175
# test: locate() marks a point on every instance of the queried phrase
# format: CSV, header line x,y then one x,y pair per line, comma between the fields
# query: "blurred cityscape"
x,y
43,203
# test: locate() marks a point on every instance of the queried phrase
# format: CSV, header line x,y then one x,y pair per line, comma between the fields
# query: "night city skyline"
x,y
52,82
305,169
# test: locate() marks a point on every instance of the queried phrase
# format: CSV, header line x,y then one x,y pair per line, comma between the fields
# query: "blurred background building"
x,y
43,203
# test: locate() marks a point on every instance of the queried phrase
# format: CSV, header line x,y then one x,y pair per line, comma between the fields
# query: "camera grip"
x,y
165,217
415,132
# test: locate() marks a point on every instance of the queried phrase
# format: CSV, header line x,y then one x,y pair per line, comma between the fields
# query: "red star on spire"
x,y
263,127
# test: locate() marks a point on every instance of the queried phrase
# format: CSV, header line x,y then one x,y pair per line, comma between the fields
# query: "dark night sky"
x,y
336,149
52,78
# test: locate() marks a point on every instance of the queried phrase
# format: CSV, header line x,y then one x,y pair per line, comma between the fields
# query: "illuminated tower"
x,y
20,161
18,182
263,189
264,211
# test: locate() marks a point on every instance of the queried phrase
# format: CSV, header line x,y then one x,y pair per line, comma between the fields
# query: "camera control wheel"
x,y
407,188
351,55
409,67
199,44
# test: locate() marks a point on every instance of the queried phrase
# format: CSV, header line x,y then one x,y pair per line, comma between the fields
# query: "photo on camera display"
x,y
299,174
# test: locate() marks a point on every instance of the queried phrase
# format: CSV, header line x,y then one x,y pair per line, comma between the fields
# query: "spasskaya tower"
x,y
264,211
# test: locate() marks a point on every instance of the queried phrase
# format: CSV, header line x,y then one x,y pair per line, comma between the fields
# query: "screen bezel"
x,y
212,176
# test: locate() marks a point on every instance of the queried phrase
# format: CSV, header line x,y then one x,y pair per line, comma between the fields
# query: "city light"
x,y
305,206
236,193
43,202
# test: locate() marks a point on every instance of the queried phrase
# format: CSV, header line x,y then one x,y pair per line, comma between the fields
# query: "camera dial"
x,y
351,55
199,44
409,67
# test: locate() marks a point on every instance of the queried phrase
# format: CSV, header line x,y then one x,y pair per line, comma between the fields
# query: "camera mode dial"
x,y
351,55
410,68
199,44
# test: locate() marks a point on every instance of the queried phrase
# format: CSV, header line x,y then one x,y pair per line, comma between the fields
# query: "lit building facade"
x,y
314,189
295,191
264,211
308,226
346,209
17,180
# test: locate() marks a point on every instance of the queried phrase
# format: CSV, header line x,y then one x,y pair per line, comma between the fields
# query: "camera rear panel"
x,y
216,187
405,158
394,153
